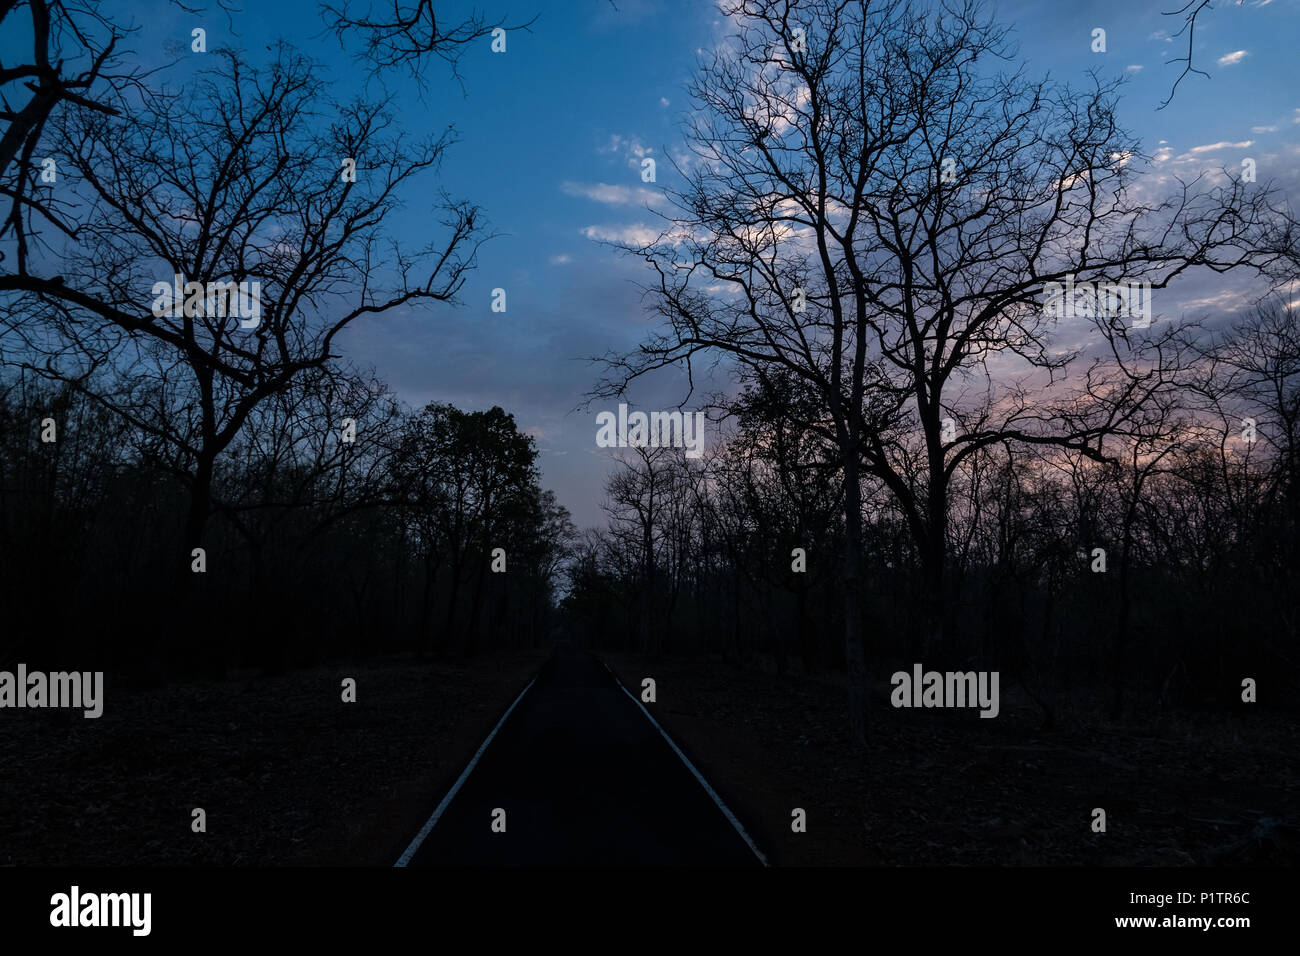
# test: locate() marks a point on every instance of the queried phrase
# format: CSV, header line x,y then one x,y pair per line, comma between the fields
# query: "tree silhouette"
x,y
887,212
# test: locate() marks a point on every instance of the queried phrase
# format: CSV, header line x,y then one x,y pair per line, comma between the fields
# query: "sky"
x,y
551,137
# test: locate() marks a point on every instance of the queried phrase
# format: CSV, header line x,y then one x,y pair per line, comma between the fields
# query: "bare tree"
x,y
1189,11
637,498
77,57
240,184
885,211
408,34
62,32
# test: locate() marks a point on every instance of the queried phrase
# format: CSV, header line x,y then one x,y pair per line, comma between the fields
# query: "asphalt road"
x,y
585,779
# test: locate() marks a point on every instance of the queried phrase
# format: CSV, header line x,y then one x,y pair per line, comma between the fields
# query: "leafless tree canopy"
x,y
401,34
877,201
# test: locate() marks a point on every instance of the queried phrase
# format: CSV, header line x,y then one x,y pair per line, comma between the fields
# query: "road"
x,y
585,779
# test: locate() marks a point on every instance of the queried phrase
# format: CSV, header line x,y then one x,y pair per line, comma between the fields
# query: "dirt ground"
x,y
289,774
944,787
286,772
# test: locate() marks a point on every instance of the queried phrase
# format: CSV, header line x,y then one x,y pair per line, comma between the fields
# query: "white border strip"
x,y
405,858
731,817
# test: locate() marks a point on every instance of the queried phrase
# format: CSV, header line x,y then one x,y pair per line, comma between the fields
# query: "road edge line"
x,y
726,811
420,837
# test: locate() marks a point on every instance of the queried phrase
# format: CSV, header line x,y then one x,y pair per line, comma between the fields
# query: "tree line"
x,y
327,535
1162,575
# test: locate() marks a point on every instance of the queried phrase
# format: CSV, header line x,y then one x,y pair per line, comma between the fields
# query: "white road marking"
x,y
428,827
691,767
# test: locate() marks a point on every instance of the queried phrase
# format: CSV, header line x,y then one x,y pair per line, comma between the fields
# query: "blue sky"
x,y
552,131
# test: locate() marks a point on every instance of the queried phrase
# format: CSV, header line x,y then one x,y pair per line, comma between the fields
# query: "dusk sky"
x,y
551,134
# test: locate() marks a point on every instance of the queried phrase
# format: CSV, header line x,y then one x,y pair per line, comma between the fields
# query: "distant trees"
x,y
1161,574
698,556
641,499
318,546
466,484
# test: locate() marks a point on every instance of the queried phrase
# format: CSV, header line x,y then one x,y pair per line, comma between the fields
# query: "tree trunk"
x,y
186,592
196,517
476,602
450,626
854,645
934,571
806,654
1121,624
273,650
428,643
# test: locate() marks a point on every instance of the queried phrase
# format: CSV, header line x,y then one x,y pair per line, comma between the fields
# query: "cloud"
x,y
561,260
1223,144
1263,129
629,147
663,101
1232,59
635,235
1134,67
1070,181
1162,154
611,195
1227,300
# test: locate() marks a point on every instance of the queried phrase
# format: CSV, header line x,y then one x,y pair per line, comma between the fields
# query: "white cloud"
x,y
1231,59
561,260
1134,67
611,195
1263,129
635,235
1223,144
1070,181
1229,300
663,101
1163,154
